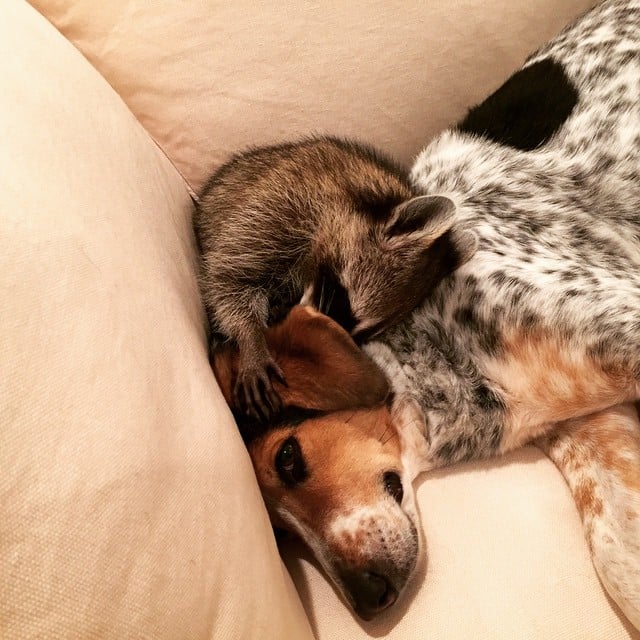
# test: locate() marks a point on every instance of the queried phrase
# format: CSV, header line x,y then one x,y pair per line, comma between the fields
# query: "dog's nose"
x,y
371,592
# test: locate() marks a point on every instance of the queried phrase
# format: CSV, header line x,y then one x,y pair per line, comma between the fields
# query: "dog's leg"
x,y
599,457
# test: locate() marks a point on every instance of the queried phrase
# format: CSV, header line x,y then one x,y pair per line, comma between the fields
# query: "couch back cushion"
x,y
207,78
128,505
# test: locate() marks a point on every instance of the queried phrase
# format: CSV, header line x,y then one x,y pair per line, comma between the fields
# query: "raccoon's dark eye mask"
x,y
331,298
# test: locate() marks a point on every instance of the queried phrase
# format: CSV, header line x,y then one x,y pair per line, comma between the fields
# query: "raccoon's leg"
x,y
242,316
254,393
599,457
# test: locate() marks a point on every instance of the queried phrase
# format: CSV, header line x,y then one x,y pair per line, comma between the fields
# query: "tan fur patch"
x,y
606,443
614,448
548,380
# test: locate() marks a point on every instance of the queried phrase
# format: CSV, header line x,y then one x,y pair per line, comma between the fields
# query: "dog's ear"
x,y
324,369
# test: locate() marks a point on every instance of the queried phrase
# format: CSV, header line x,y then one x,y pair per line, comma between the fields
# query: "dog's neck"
x,y
442,415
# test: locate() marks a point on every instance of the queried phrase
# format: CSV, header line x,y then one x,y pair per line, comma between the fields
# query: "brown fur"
x,y
547,381
600,439
331,217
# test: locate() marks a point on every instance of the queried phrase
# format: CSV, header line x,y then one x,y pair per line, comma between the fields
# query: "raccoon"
x,y
329,218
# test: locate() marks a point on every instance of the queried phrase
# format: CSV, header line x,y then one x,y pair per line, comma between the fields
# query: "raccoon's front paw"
x,y
254,394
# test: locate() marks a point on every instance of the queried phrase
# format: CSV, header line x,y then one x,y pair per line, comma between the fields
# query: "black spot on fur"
x,y
529,320
490,339
486,398
448,452
460,449
466,317
465,446
527,109
495,437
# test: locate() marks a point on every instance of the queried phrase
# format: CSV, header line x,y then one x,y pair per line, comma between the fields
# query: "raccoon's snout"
x,y
331,298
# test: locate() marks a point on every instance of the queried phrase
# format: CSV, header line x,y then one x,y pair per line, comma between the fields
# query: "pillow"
x,y
129,508
207,78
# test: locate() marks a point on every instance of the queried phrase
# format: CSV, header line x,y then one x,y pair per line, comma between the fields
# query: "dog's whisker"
x,y
389,438
350,417
383,433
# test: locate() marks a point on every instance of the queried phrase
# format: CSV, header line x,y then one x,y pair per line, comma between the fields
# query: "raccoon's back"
x,y
251,222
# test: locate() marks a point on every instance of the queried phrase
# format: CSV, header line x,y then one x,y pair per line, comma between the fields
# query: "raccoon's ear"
x,y
424,218
465,244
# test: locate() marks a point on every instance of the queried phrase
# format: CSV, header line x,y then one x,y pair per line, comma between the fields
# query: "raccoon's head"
x,y
389,270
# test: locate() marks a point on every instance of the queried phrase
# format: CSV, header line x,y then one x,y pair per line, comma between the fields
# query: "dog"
x,y
535,339
337,469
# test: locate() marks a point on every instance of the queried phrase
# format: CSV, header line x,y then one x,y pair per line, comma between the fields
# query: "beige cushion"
x,y
206,78
128,506
506,561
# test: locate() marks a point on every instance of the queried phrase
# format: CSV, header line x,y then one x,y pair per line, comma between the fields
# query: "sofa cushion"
x,y
206,78
128,505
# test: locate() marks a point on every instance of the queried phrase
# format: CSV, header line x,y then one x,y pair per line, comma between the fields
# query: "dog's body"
x,y
543,323
535,339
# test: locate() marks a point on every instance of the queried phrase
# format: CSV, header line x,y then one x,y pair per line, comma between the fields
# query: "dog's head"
x,y
333,471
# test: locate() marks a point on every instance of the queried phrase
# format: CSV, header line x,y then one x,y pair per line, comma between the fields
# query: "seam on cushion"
x,y
187,184
189,187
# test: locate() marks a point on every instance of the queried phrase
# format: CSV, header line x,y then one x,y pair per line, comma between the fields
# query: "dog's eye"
x,y
290,464
393,485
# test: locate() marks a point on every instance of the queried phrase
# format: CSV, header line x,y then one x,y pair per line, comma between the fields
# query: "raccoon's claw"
x,y
254,392
276,372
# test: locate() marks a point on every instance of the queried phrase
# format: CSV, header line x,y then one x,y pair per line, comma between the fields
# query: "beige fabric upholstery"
x,y
128,505
206,78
